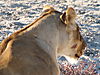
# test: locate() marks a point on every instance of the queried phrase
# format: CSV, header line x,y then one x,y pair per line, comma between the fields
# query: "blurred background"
x,y
15,14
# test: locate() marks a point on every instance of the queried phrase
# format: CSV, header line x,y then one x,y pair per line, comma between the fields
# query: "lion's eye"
x,y
74,46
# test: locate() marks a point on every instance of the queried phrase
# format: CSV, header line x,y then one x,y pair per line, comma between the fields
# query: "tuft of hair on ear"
x,y
48,8
70,14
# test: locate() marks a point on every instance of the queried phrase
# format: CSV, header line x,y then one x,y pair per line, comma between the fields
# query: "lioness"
x,y
33,50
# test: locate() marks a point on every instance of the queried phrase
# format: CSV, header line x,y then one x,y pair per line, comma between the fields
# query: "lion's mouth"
x,y
77,56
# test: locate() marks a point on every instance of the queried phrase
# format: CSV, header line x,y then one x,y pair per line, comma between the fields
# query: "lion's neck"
x,y
47,38
47,34
47,47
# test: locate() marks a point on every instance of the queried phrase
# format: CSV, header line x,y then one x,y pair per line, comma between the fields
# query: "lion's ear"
x,y
47,8
69,16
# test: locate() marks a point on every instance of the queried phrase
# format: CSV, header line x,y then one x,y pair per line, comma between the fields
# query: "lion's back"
x,y
28,59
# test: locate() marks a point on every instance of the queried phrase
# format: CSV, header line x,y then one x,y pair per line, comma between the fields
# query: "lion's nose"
x,y
83,45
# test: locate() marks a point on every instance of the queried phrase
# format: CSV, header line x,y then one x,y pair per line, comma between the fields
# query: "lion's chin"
x,y
71,60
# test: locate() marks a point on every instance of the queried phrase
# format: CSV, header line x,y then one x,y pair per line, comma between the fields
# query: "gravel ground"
x,y
15,14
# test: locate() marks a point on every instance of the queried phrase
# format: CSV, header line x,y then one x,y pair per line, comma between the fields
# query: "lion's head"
x,y
74,44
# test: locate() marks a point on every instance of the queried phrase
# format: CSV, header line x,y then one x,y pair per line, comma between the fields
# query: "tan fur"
x,y
33,50
47,7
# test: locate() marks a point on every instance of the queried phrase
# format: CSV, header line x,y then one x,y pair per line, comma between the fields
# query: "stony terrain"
x,y
15,14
